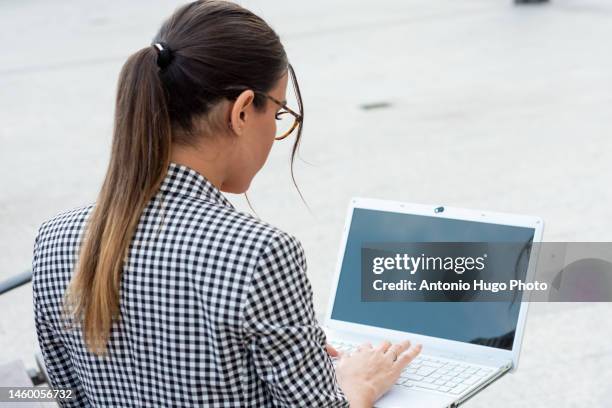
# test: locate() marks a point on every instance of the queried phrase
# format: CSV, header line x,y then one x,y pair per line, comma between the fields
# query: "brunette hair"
x,y
213,51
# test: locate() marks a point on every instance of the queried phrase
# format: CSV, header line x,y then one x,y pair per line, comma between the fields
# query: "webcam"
x,y
439,210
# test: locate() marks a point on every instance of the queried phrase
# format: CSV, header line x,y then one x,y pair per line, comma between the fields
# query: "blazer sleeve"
x,y
57,360
286,343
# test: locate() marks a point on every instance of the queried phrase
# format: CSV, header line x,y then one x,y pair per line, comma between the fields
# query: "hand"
x,y
366,374
331,350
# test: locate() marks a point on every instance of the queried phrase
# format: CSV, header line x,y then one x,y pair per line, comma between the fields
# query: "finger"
x,y
384,346
397,349
406,358
331,350
365,346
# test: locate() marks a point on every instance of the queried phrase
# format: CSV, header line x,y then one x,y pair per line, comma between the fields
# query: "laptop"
x,y
466,345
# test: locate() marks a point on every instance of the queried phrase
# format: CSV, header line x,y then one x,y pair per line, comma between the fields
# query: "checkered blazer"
x,y
216,310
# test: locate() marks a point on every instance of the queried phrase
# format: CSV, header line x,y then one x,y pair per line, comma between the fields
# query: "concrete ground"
x,y
488,106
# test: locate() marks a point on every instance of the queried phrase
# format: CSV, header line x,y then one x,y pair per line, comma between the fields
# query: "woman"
x,y
162,294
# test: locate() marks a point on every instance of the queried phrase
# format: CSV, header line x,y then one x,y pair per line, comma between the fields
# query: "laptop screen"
x,y
491,324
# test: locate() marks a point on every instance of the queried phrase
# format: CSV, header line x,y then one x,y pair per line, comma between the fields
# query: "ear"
x,y
238,113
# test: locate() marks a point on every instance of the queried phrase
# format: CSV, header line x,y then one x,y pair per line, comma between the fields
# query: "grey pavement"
x,y
488,106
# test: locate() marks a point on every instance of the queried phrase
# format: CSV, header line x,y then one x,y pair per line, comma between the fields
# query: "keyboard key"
x,y
423,380
425,371
471,380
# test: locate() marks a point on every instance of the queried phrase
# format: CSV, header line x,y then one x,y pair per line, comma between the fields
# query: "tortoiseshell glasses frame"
x,y
285,111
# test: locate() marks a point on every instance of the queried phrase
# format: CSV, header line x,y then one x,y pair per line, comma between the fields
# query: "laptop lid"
x,y
456,326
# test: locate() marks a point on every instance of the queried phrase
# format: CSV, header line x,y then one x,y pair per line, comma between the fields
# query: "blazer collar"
x,y
184,180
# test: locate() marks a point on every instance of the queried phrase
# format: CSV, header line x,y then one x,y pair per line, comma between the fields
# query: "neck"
x,y
208,165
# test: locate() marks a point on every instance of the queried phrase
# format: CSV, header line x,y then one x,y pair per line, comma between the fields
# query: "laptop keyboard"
x,y
428,373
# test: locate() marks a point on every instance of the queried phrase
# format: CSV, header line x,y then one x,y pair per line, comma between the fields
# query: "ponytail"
x,y
140,156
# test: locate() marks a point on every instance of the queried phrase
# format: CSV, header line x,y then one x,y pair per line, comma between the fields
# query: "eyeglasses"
x,y
288,119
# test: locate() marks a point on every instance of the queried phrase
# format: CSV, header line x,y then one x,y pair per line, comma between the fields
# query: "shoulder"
x,y
273,241
66,225
281,248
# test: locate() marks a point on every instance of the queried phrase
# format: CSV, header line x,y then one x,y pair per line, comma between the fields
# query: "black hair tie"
x,y
164,54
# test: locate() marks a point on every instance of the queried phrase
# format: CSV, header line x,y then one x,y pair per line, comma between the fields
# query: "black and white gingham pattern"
x,y
216,310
